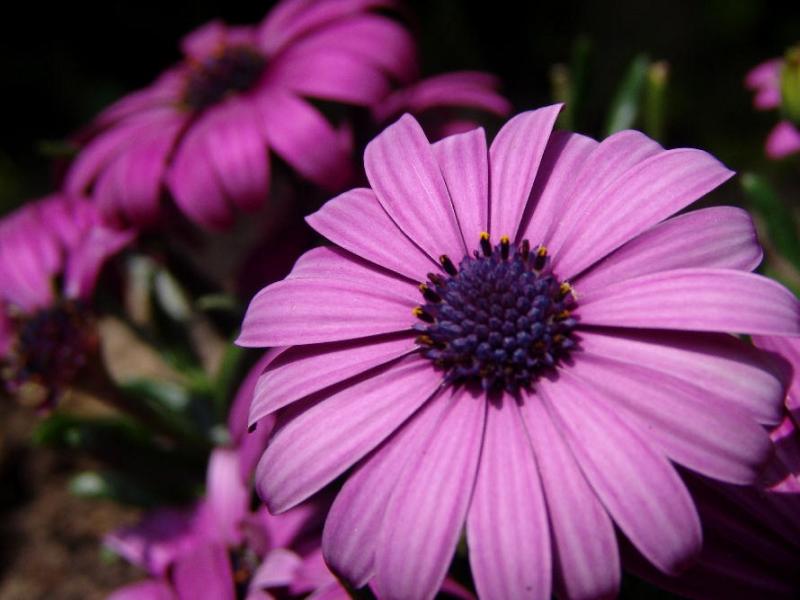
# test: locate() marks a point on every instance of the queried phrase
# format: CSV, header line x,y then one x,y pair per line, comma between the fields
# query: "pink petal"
x,y
507,526
647,193
143,590
585,553
765,74
237,150
783,140
310,310
357,222
193,180
767,98
204,573
788,348
404,173
464,162
85,262
278,569
696,300
692,428
302,137
339,428
638,486
329,74
205,40
725,368
370,38
608,161
313,574
227,496
303,370
514,159
356,516
429,506
722,237
292,19
554,183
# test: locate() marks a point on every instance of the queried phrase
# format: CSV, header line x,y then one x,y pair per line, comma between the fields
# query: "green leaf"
x,y
625,106
778,219
568,83
112,486
654,108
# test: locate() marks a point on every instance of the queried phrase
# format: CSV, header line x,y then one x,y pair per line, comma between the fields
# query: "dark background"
x,y
62,62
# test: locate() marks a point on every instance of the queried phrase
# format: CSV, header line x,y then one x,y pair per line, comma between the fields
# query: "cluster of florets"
x,y
500,318
233,69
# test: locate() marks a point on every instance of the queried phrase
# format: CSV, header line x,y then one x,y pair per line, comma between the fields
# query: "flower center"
x,y
51,347
233,69
499,319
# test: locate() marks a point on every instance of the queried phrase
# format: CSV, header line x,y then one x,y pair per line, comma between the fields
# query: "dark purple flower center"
x,y
498,319
233,69
51,347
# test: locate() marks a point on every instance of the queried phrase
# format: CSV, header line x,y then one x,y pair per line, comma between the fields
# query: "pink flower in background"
x,y
46,332
765,81
446,104
570,342
205,128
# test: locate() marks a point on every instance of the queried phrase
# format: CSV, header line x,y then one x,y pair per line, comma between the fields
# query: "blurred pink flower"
x,y
765,81
446,104
539,413
45,330
204,129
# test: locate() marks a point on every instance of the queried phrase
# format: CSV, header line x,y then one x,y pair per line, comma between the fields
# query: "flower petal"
x,y
329,434
507,527
238,151
464,162
227,496
302,137
204,573
429,505
696,300
649,192
311,309
692,428
277,569
329,74
554,184
357,222
723,366
783,140
721,237
356,516
788,348
608,162
585,553
514,159
638,486
193,180
150,589
404,173
303,370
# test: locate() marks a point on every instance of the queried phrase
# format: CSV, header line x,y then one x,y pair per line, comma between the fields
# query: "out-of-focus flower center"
x,y
498,319
51,347
232,69
244,563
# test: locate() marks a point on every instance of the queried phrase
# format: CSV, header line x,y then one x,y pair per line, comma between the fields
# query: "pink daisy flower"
x,y
46,332
205,128
767,81
569,342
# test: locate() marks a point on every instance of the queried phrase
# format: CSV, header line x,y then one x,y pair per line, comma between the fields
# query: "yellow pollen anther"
x,y
541,251
565,288
564,314
418,311
425,340
484,236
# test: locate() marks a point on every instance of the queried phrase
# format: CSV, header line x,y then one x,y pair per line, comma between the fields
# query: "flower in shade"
x,y
776,84
222,549
446,104
205,128
46,329
523,339
751,533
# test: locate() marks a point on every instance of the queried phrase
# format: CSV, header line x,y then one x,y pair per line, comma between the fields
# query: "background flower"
x,y
203,130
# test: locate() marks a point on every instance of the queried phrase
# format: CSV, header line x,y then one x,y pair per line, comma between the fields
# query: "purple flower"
x,y
46,333
569,342
776,88
204,129
445,104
